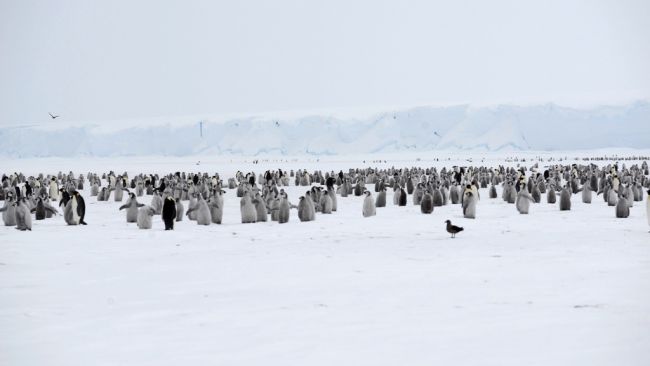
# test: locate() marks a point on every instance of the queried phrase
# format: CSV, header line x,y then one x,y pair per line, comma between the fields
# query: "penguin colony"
x,y
262,198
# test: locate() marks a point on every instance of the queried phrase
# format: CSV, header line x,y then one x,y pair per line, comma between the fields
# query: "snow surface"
x,y
548,288
321,133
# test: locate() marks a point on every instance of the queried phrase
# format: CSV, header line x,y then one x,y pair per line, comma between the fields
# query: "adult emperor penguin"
x,y
131,207
169,212
75,210
144,217
54,190
23,215
368,205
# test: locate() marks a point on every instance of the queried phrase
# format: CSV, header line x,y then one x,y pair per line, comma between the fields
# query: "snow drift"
x,y
541,127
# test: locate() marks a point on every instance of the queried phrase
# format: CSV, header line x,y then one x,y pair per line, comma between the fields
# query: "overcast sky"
x,y
99,60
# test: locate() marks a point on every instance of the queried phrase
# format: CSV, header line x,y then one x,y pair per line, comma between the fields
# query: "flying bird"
x,y
53,117
453,229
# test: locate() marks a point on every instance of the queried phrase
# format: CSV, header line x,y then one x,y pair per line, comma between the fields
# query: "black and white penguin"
x,y
169,212
75,210
131,207
368,205
144,217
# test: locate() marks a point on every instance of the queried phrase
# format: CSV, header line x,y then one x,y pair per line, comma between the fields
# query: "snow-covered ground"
x,y
548,288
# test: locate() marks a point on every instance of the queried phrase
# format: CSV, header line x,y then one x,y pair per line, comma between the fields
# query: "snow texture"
x,y
548,288
500,128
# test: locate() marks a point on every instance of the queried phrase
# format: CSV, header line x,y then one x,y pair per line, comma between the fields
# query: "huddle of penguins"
x,y
262,197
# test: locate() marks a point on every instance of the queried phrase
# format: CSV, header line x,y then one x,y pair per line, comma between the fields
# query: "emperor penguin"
x,y
54,190
9,211
397,191
180,210
75,210
368,205
156,203
381,198
454,194
260,208
565,199
119,191
131,207
550,195
216,209
41,209
144,217
23,215
248,212
612,196
202,211
426,205
326,203
523,200
469,205
586,193
622,207
402,197
493,192
437,198
94,189
169,212
283,210
304,211
536,194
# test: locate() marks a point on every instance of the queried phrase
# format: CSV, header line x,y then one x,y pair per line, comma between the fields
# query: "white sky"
x,y
98,60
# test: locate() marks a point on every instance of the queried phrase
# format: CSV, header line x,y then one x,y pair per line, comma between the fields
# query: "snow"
x,y
548,288
340,132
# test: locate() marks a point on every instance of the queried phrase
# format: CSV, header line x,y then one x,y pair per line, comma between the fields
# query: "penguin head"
x,y
447,222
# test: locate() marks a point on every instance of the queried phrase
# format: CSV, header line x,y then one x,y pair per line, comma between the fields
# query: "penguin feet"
x,y
83,223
